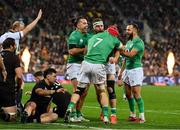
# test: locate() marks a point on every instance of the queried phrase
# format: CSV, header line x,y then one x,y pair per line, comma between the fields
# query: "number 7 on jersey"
x,y
98,41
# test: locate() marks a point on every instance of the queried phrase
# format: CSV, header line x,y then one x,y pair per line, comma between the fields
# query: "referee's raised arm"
x,y
30,26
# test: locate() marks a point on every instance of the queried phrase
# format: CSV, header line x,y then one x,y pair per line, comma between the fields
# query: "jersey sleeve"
x,y
138,46
72,40
15,36
40,85
1,40
21,34
118,44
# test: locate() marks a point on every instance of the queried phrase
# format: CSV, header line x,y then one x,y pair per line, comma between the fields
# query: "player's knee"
x,y
101,89
110,83
10,117
84,94
81,89
111,90
54,117
137,96
112,95
4,116
31,104
13,116
129,95
51,117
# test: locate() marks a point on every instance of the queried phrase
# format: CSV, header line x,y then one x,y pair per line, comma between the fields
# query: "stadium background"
x,y
159,21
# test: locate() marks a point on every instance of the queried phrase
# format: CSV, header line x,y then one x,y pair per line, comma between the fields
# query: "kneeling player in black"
x,y
61,100
38,106
7,82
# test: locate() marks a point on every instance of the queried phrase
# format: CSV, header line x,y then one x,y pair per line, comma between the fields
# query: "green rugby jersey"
x,y
100,46
80,40
135,61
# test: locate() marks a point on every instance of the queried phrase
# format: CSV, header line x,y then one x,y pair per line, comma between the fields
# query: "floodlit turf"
x,y
162,110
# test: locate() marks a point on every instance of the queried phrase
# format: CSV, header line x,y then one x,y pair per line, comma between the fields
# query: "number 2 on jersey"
x,y
98,41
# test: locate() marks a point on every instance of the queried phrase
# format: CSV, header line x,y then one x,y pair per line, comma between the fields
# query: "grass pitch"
x,y
162,111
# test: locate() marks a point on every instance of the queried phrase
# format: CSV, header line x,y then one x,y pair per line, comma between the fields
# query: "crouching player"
x,y
38,106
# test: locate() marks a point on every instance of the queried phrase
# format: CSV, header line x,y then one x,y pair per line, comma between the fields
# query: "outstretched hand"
x,y
39,14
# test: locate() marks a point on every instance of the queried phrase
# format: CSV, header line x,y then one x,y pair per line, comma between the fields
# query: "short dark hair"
x,y
38,73
49,71
8,43
75,21
134,26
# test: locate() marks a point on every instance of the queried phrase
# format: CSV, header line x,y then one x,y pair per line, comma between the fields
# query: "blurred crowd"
x,y
47,43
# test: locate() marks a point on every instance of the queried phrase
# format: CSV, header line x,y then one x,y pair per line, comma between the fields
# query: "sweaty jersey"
x,y
100,46
15,35
78,40
135,62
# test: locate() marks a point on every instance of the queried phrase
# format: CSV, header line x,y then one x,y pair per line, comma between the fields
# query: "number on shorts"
x,y
98,41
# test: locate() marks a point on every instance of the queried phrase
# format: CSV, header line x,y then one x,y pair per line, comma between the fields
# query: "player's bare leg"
x,y
80,105
131,102
74,83
48,117
104,101
137,95
28,111
77,110
74,99
98,99
112,97
9,113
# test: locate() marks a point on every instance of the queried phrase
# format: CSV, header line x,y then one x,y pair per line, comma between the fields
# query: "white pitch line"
x,y
97,128
78,126
150,111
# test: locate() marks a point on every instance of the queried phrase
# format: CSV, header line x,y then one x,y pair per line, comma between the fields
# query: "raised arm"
x,y
30,26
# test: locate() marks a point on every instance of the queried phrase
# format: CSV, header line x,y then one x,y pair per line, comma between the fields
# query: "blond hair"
x,y
16,24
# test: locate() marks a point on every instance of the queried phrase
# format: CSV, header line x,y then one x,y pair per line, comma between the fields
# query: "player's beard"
x,y
129,36
85,30
99,31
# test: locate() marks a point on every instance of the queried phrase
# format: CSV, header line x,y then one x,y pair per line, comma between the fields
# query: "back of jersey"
x,y
100,46
15,35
